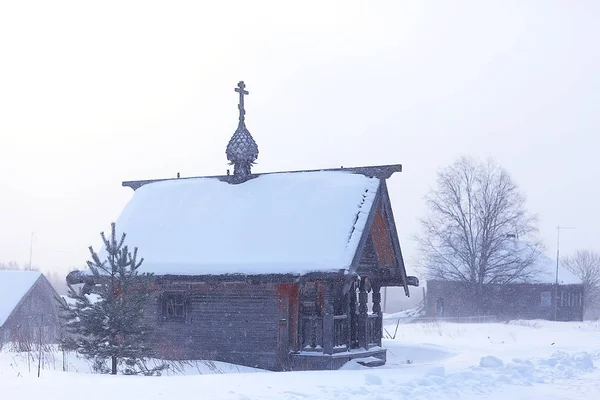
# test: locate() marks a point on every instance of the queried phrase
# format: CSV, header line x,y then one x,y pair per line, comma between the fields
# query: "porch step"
x,y
371,362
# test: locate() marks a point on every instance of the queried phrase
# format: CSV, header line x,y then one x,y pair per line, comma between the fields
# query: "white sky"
x,y
91,95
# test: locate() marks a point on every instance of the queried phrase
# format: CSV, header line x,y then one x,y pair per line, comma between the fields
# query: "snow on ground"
x,y
405,314
518,360
26,363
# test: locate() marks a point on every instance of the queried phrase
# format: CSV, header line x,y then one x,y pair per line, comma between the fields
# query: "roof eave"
x,y
78,277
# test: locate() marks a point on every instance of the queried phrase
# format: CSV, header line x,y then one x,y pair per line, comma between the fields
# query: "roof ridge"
x,y
375,171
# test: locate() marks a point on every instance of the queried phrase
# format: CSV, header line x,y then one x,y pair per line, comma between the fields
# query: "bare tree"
x,y
11,266
477,229
586,265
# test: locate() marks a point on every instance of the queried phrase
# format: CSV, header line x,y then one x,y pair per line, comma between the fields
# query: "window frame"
x,y
182,304
546,295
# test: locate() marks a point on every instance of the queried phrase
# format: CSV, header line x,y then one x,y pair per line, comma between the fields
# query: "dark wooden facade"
x,y
35,318
445,299
306,324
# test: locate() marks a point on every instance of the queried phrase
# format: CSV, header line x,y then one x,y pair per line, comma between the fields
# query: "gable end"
x,y
379,255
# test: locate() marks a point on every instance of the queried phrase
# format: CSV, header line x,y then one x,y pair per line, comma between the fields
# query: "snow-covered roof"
x,y
547,272
545,268
286,223
14,285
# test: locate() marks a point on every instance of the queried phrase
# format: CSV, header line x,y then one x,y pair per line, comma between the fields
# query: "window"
x,y
439,307
546,299
571,299
174,307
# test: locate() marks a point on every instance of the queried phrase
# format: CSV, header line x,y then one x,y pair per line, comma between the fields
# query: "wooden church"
x,y
281,271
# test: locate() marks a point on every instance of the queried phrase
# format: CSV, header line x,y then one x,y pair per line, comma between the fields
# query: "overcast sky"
x,y
91,95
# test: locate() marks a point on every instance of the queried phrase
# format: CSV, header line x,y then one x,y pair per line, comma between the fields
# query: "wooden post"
x,y
376,298
352,321
318,327
328,327
363,332
377,310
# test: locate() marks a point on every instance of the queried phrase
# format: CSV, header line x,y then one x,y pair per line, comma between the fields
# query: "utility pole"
x,y
558,228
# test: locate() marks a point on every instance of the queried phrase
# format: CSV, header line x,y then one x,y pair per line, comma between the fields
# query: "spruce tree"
x,y
108,320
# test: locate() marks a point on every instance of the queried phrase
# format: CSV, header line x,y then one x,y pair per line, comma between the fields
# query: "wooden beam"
x,y
388,279
328,326
376,171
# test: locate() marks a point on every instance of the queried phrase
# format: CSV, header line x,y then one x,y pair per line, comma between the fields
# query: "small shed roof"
x,y
284,223
14,285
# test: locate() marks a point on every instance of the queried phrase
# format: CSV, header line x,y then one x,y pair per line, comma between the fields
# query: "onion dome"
x,y
242,150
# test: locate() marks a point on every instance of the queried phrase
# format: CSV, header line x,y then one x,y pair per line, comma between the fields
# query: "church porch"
x,y
338,326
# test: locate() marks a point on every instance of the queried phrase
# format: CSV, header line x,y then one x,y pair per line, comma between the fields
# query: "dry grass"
x,y
528,324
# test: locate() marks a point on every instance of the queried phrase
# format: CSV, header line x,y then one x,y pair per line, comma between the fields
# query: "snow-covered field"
x,y
518,360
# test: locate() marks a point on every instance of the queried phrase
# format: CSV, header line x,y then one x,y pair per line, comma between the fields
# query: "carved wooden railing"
x,y
329,333
311,334
341,333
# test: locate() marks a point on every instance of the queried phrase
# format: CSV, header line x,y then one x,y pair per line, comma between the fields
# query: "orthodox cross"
x,y
241,90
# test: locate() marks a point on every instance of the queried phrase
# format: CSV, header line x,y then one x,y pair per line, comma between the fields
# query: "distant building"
x,y
273,270
539,299
28,308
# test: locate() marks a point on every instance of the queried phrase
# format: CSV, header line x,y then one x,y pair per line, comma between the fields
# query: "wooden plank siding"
x,y
512,301
228,322
368,260
288,299
382,240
